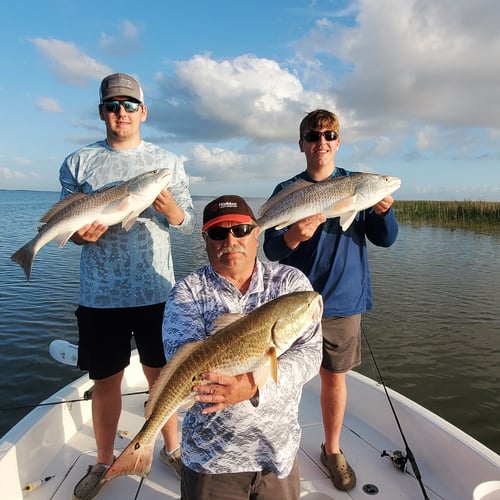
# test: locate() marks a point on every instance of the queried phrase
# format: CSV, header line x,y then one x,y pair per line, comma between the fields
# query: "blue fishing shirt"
x,y
127,268
241,437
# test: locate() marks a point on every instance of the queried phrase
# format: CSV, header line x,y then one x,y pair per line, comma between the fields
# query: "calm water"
x,y
435,331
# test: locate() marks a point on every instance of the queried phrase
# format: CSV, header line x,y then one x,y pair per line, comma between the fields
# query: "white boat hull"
x,y
57,440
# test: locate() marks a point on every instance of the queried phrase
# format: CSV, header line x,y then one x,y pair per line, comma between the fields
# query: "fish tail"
x,y
24,257
135,459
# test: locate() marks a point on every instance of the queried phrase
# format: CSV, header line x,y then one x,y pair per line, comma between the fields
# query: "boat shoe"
x,y
172,460
90,485
341,473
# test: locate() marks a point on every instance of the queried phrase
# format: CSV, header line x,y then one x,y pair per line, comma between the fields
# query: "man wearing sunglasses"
x,y
125,277
239,441
336,262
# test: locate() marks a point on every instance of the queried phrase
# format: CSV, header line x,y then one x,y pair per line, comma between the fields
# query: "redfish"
x,y
122,202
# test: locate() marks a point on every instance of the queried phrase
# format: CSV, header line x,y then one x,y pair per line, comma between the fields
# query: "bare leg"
x,y
333,406
106,409
170,429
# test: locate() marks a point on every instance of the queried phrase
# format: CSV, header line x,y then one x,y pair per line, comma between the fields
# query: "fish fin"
x,y
274,364
177,359
347,219
267,367
135,459
63,238
282,225
261,374
280,195
130,201
61,204
129,221
225,320
340,206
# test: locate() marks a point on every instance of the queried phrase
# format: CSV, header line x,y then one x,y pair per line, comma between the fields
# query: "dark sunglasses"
x,y
314,135
220,233
114,106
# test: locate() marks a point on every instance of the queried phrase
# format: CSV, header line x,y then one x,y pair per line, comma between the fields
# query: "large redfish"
x,y
123,203
340,197
248,344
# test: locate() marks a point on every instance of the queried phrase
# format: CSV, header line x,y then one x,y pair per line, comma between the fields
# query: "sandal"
x,y
90,485
341,473
172,460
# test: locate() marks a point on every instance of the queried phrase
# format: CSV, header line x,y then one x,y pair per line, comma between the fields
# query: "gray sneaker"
x,y
90,485
173,460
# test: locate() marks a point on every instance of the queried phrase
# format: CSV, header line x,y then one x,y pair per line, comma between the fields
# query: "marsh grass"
x,y
474,215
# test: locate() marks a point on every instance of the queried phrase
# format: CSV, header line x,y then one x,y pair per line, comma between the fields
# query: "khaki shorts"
x,y
341,343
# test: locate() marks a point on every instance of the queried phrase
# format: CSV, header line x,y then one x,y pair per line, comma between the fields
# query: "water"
x,y
435,331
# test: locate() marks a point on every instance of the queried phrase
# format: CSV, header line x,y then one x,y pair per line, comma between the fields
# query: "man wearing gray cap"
x,y
125,277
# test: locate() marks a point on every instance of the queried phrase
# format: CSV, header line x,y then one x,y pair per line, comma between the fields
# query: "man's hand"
x,y
302,230
89,233
166,205
383,205
224,390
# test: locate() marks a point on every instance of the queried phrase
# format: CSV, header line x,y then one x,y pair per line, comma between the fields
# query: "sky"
x,y
415,84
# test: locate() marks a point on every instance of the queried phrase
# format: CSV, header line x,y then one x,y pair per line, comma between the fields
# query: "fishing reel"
x,y
397,459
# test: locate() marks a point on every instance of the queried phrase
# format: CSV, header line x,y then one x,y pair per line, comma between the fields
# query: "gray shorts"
x,y
239,485
341,343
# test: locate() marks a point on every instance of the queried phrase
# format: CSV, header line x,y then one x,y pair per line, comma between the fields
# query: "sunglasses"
x,y
114,106
239,231
314,135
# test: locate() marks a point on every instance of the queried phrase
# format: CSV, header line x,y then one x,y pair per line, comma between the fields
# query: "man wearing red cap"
x,y
233,442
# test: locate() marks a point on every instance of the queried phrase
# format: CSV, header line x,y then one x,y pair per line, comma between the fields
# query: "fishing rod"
x,y
399,460
87,396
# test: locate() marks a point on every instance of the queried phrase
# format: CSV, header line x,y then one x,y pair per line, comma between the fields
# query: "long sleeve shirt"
x,y
242,437
336,262
134,268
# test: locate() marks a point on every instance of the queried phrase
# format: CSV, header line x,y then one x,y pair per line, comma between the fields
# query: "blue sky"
x,y
415,83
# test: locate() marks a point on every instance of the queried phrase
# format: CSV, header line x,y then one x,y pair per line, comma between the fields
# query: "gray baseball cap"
x,y
121,84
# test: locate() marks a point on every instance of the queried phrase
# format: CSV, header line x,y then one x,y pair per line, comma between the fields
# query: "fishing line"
x,y
141,482
87,396
409,454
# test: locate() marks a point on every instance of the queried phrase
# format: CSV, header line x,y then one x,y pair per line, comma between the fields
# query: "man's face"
x,y
320,152
122,121
232,253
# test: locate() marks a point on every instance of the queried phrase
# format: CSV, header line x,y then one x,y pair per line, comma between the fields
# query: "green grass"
x,y
475,215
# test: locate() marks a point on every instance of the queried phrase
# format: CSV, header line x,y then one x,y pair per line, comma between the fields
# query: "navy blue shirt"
x,y
336,262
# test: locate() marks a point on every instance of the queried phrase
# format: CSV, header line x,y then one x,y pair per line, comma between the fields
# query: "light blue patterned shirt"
x,y
134,268
242,437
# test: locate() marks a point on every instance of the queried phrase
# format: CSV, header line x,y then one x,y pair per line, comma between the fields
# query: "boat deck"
x,y
162,484
456,465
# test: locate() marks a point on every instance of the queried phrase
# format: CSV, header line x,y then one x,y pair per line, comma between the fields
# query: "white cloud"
x,y
412,81
69,63
22,161
242,97
426,137
49,105
213,163
256,165
416,60
126,42
9,174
